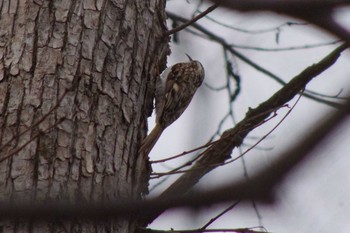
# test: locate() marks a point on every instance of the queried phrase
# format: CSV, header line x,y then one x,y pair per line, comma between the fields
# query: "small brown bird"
x,y
174,92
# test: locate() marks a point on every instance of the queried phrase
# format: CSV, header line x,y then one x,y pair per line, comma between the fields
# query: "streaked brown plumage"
x,y
174,93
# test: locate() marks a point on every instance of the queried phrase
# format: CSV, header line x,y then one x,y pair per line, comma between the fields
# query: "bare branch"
x,y
36,123
321,11
233,230
257,31
220,214
258,187
281,6
302,47
16,150
201,15
232,138
242,57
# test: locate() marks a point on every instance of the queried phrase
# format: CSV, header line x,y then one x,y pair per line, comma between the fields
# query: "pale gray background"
x,y
316,197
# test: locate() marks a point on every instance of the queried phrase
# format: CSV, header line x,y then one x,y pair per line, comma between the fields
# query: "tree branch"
x,y
228,47
318,12
218,152
199,16
259,187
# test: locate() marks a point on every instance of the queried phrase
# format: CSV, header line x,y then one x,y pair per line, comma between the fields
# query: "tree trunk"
x,y
73,98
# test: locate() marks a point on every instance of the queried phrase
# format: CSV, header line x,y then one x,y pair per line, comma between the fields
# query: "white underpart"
x,y
165,74
160,88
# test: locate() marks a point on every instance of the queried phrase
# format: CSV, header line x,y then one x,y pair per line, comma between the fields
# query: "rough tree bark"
x,y
80,69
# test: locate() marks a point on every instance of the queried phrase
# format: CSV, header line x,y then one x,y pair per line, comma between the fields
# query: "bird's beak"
x,y
189,57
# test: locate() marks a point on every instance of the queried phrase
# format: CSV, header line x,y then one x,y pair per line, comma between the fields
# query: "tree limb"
x,y
218,152
214,37
186,24
260,187
318,12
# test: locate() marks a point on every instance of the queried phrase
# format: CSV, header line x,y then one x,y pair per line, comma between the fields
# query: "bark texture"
x,y
79,68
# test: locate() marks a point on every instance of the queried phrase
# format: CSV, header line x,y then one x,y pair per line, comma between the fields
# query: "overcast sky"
x,y
316,197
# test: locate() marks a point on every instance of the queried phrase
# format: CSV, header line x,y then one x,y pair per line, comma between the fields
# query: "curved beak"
x,y
189,57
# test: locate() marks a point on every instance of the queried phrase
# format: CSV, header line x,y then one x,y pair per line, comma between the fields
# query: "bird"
x,y
174,91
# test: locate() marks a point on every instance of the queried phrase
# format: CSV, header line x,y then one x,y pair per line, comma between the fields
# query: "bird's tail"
x,y
151,139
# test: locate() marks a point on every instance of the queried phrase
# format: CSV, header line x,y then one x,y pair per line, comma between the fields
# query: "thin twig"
x,y
15,151
210,143
188,163
266,135
233,230
321,11
38,122
221,151
259,187
220,214
201,15
257,31
214,37
302,47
